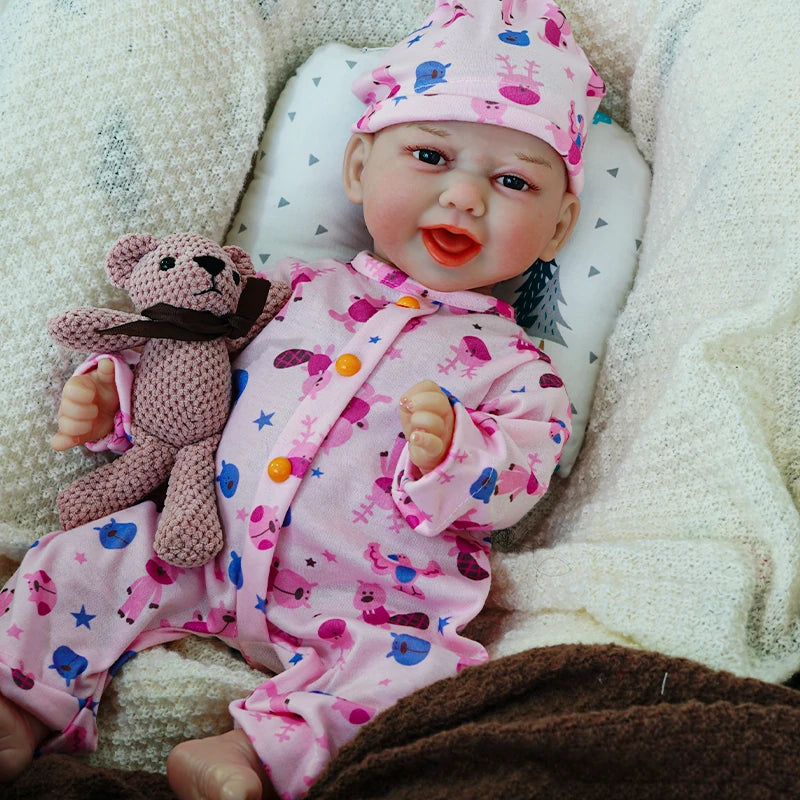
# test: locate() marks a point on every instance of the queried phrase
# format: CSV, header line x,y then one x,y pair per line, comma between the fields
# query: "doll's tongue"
x,y
449,246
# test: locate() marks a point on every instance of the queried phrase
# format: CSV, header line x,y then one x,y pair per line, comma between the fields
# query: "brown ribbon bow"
x,y
165,321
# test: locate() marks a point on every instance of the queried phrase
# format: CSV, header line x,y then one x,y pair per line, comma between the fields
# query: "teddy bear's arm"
x,y
78,329
279,293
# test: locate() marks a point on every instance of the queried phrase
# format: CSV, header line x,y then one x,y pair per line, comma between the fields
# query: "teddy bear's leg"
x,y
189,532
119,484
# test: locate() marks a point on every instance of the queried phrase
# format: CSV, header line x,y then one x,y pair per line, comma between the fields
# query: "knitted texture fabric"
x,y
678,529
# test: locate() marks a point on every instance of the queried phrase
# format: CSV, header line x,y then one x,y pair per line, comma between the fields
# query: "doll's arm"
x,y
499,461
427,419
89,403
78,329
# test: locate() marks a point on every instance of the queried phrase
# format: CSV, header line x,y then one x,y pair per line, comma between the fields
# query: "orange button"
x,y
408,302
348,364
279,469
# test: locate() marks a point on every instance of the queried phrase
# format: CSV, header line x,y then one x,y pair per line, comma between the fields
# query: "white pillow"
x,y
295,206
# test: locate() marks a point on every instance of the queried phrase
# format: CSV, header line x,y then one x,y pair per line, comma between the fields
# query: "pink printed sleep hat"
x,y
513,63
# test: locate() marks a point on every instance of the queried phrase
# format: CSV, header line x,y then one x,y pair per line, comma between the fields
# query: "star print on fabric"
x,y
241,514
570,74
440,43
317,472
477,326
296,658
310,562
384,682
330,556
415,40
445,477
261,604
82,618
264,419
374,339
80,558
14,631
88,702
394,352
443,623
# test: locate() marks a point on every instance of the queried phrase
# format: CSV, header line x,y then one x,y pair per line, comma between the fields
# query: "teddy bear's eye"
x,y
236,277
166,263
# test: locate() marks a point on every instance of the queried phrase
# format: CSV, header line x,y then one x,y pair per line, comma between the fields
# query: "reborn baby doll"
x,y
389,419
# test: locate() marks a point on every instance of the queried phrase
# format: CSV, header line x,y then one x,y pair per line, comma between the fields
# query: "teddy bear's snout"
x,y
213,266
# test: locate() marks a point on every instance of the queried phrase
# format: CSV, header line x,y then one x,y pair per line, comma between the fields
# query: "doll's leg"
x,y
300,718
20,735
81,605
218,767
116,485
189,533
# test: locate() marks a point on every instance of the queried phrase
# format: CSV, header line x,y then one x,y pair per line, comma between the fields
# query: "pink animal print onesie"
x,y
344,570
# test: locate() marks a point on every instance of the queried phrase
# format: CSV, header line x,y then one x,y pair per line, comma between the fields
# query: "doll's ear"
x,y
125,255
241,260
355,159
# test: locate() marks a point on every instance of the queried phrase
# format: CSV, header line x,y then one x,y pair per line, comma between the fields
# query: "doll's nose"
x,y
213,266
465,193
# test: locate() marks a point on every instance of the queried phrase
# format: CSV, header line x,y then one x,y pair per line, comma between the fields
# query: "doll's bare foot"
x,y
20,733
221,767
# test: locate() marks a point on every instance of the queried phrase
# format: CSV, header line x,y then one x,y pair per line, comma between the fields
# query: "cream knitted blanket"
x,y
678,529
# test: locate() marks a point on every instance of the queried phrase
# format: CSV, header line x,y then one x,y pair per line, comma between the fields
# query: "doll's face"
x,y
460,205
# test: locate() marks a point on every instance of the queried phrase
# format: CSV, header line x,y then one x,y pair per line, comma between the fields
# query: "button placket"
x,y
278,485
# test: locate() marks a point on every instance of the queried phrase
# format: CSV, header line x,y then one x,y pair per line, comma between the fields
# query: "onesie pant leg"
x,y
80,605
298,720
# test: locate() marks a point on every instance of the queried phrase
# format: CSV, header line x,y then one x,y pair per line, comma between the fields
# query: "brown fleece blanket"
x,y
570,721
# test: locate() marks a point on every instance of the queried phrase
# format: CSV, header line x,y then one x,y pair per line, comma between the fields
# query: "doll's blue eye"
x,y
429,156
514,182
166,263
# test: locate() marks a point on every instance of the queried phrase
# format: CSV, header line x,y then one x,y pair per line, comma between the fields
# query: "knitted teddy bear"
x,y
198,303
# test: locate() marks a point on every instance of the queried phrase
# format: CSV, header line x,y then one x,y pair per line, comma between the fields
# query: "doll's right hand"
x,y
89,403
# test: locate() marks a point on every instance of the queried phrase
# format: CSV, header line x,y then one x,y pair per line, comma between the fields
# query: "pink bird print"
x,y
471,352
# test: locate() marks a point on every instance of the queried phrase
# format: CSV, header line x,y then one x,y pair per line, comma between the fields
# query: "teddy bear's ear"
x,y
241,260
125,255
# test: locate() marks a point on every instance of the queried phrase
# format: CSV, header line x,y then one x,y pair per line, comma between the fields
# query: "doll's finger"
x,y
60,441
69,409
105,370
74,427
427,421
107,396
425,450
80,389
435,402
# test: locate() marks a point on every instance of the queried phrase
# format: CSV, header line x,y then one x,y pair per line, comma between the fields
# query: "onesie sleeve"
x,y
119,440
500,461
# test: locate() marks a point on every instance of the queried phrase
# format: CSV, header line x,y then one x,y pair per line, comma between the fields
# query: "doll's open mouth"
x,y
450,246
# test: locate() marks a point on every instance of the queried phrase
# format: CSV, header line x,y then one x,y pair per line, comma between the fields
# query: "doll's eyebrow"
x,y
431,129
538,160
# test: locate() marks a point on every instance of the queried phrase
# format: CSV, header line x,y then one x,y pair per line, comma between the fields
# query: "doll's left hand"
x,y
427,419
